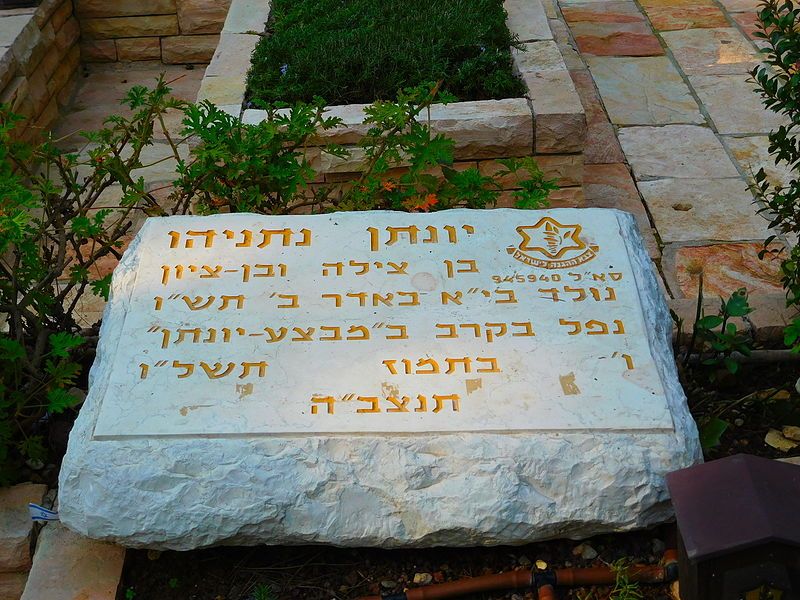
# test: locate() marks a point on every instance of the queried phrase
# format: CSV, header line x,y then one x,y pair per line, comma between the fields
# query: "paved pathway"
x,y
674,130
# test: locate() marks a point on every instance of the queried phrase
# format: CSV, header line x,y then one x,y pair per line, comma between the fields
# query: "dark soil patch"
x,y
359,51
326,573
759,398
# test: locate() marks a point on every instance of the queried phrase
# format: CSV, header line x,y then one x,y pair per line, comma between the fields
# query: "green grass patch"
x,y
359,51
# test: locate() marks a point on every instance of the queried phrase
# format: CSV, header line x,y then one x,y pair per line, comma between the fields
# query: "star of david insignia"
x,y
552,245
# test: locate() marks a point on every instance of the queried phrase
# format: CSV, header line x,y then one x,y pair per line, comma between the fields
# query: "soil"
x,y
326,573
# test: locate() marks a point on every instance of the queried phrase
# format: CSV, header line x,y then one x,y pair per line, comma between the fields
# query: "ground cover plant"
x,y
57,222
358,51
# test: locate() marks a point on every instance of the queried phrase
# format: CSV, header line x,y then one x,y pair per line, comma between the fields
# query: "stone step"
x,y
16,526
68,566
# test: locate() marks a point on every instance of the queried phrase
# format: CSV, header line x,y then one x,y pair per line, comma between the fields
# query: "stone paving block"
x,y
536,57
718,51
202,16
247,16
616,39
16,526
123,8
748,21
130,27
68,566
568,48
770,317
187,49
611,186
601,144
8,68
725,267
62,13
677,151
687,210
231,57
147,48
752,154
603,12
12,585
67,36
558,115
741,5
528,20
643,91
670,18
11,27
733,104
98,50
486,129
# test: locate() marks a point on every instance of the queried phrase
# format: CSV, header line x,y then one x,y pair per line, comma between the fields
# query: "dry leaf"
x,y
792,432
775,439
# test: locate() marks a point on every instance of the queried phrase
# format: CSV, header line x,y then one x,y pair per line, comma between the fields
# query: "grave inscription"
x,y
445,322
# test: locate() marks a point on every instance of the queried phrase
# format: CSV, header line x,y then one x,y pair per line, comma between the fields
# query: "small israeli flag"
x,y
40,513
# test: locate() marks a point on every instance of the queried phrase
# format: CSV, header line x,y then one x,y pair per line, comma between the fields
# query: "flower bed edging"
x,y
549,123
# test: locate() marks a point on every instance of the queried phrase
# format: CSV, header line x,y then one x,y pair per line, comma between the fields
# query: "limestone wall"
x,y
170,31
39,61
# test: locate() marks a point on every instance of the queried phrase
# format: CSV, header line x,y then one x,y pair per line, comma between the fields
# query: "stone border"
x,y
549,123
170,31
39,59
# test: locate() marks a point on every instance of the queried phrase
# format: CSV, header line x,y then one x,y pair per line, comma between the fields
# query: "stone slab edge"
x,y
217,485
562,129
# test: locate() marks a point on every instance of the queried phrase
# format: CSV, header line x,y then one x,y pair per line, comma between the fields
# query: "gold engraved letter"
x,y
215,371
317,400
373,401
247,366
576,325
440,400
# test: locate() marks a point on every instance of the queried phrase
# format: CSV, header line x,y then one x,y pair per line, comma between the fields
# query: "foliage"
x,y
57,223
263,591
624,588
56,227
270,167
715,339
358,51
778,81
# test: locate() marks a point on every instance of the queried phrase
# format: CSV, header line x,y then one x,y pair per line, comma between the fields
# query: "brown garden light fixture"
x,y
739,527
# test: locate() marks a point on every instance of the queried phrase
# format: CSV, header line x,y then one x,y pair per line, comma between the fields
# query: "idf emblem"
x,y
551,245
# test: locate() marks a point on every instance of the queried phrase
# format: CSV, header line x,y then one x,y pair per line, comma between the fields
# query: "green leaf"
x,y
33,448
711,432
102,287
59,400
709,322
10,349
737,305
62,343
731,365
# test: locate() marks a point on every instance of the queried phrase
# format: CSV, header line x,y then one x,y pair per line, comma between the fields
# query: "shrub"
x,y
359,51
55,225
266,167
778,82
53,233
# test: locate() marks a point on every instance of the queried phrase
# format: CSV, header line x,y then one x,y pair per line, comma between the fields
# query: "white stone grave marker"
x,y
462,377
